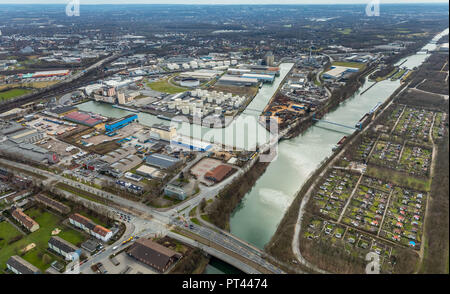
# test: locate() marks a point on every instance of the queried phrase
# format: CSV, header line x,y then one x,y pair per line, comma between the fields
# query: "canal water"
x,y
217,266
256,218
244,132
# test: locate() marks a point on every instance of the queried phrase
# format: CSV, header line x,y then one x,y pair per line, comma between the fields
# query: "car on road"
x,y
115,247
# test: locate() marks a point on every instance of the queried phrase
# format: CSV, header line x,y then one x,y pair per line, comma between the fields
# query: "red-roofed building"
x,y
25,220
102,233
90,227
219,173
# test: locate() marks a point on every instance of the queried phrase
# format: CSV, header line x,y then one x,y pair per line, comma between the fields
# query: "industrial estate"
x,y
138,144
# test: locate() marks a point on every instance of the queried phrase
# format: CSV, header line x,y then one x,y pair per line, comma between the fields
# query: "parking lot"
x,y
51,126
127,265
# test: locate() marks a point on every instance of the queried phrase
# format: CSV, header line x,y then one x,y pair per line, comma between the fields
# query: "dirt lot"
x,y
50,128
125,260
241,91
126,131
199,170
60,148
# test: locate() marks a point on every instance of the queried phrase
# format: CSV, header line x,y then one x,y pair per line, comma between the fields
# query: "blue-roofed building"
x,y
120,123
162,161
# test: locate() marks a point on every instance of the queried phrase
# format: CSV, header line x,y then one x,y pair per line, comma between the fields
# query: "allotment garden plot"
x,y
415,124
334,192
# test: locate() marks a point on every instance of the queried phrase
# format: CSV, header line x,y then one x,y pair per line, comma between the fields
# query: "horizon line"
x,y
233,4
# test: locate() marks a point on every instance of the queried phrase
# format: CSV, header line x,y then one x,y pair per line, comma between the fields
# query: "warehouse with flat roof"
x,y
336,72
162,161
237,81
120,123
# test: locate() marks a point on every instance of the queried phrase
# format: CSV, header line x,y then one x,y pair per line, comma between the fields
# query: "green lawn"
x,y
164,87
345,31
47,222
80,193
10,94
399,178
350,64
205,218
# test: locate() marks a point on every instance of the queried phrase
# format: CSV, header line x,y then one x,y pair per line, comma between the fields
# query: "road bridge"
x,y
336,124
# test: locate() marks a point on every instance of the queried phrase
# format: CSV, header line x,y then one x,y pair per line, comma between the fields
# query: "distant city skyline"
x,y
246,2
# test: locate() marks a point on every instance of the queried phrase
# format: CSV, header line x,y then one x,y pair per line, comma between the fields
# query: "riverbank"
x,y
220,210
280,245
283,244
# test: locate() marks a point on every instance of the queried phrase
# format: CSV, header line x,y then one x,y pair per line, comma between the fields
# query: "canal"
x,y
256,218
244,132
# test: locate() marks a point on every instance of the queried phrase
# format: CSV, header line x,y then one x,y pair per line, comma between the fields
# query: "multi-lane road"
x,y
159,222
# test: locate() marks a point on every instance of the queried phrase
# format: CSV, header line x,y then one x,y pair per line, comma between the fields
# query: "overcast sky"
x,y
214,1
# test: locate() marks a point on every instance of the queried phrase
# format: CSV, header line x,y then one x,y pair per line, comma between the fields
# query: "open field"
x,y
13,93
165,87
350,64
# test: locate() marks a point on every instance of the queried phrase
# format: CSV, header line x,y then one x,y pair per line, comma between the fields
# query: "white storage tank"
x,y
185,110
193,64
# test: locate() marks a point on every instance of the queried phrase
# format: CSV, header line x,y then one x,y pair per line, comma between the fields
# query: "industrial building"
x,y
200,74
237,81
269,58
20,266
18,133
337,72
83,118
219,173
28,152
150,172
190,143
43,74
118,154
179,189
260,77
153,254
125,164
63,110
162,132
120,123
162,161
